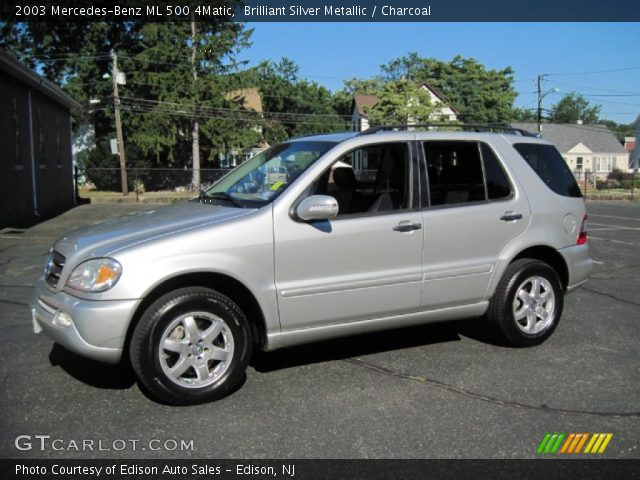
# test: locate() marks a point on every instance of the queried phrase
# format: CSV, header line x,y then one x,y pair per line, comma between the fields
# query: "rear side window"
x,y
498,185
547,162
464,172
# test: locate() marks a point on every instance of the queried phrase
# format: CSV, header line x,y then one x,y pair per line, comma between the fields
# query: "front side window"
x,y
261,179
372,179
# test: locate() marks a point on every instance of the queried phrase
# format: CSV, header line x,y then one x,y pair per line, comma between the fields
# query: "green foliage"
x,y
523,115
480,95
343,99
574,107
401,102
293,107
620,130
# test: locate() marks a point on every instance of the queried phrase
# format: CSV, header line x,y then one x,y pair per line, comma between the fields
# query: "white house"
x,y
361,103
585,148
635,153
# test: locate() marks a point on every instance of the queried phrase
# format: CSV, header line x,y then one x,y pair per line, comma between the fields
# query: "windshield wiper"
x,y
224,196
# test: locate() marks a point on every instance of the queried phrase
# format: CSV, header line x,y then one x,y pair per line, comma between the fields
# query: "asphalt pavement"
x,y
445,390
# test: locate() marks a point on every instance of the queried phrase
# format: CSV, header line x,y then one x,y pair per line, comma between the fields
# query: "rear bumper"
x,y
93,329
579,264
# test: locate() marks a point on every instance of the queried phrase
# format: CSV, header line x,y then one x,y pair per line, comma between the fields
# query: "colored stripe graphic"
x,y
573,443
598,442
550,443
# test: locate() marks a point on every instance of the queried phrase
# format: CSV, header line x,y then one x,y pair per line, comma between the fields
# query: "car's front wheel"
x,y
527,304
191,346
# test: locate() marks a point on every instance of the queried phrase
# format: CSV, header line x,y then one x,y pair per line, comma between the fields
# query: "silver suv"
x,y
370,231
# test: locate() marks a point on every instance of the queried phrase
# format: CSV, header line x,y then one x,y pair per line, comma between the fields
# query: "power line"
x,y
590,87
623,69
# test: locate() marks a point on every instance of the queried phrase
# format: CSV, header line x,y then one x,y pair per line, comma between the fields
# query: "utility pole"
x,y
116,108
540,78
195,133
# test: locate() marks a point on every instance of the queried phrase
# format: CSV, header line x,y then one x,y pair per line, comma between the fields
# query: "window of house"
x,y
603,164
381,184
579,163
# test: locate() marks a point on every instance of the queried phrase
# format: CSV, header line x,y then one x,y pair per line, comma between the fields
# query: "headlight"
x,y
95,275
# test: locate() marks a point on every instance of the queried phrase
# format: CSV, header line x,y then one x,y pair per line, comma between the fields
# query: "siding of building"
x,y
35,151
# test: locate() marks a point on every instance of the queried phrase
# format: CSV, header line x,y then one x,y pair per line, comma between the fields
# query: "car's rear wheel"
x,y
191,346
527,304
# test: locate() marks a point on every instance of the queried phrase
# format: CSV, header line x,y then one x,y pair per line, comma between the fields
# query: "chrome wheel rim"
x,y
534,305
196,349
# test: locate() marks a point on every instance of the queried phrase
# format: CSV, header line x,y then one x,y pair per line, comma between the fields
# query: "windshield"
x,y
262,178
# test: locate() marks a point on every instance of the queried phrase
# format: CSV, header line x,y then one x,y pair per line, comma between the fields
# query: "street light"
x,y
540,97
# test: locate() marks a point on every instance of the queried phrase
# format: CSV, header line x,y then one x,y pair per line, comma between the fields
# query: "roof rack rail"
x,y
465,127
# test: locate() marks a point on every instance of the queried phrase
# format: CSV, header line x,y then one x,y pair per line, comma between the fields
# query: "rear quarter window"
x,y
549,165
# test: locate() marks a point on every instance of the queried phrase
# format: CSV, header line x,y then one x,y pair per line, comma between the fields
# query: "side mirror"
x,y
317,207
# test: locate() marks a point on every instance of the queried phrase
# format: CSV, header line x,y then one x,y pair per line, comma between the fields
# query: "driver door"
x,y
364,264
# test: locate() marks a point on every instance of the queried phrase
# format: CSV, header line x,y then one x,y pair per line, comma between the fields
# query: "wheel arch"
x,y
550,256
226,285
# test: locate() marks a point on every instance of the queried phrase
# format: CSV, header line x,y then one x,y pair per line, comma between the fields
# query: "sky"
x,y
329,53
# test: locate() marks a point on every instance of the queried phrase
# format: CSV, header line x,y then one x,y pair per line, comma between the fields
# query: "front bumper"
x,y
97,329
579,264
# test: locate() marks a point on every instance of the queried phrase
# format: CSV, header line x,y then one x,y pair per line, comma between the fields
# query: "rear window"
x,y
547,162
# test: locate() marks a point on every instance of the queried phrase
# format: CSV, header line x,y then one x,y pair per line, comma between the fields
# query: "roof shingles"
x,y
565,136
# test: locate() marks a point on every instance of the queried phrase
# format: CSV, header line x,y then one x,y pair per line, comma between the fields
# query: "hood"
x,y
106,237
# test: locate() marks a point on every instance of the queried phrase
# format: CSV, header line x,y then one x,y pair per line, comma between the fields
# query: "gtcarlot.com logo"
x,y
574,443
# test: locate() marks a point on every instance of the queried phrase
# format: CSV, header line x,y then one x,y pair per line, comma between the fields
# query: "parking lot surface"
x,y
445,390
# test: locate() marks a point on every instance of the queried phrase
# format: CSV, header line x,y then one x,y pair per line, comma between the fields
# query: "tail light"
x,y
582,236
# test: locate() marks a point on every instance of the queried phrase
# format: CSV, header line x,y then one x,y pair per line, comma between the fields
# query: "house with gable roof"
x,y
587,149
361,103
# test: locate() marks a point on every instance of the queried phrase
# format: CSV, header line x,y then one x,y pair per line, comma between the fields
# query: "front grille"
x,y
54,269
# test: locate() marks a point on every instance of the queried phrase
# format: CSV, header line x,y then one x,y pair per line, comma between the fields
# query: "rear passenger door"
x,y
474,210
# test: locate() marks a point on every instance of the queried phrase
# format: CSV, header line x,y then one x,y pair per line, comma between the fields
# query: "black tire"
x,y
520,276
179,320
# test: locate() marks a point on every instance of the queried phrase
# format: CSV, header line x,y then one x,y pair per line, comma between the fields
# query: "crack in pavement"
x,y
486,398
604,294
7,262
13,302
2,250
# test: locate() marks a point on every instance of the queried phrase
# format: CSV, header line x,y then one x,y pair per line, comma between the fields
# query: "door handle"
x,y
511,216
407,227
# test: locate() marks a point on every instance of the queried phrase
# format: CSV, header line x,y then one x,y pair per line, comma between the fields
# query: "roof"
x,y
249,97
565,136
364,101
20,72
444,100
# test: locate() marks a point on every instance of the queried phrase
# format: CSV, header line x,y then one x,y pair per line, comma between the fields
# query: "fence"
x,y
142,180
585,179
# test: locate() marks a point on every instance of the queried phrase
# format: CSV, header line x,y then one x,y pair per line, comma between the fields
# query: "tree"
x,y
523,115
574,107
620,130
178,75
401,102
342,99
293,106
479,94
